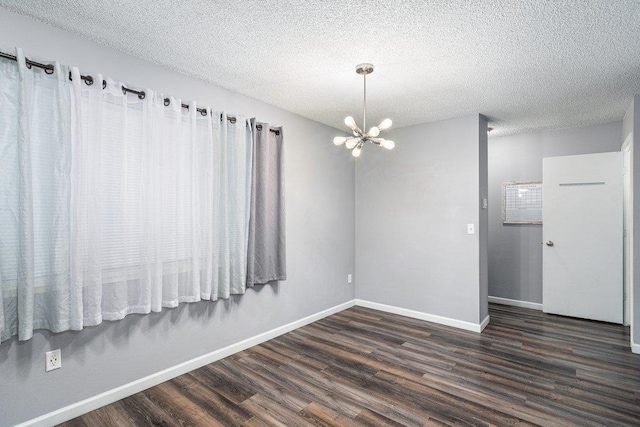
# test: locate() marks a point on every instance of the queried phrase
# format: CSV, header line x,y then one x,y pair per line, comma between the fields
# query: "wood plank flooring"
x,y
362,367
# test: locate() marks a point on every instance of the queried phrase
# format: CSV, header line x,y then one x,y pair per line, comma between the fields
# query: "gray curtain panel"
x,y
266,256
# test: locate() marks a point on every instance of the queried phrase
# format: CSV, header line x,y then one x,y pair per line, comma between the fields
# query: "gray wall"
x,y
413,205
631,125
515,251
320,250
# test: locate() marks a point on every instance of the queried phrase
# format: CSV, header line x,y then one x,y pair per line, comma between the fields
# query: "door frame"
x,y
627,149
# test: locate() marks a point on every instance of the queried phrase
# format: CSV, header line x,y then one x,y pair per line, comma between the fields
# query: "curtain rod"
x,y
48,68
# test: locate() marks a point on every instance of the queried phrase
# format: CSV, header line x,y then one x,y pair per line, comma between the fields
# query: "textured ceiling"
x,y
526,65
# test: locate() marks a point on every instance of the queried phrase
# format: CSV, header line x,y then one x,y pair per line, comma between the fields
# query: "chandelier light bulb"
x,y
350,122
386,124
352,142
356,152
374,131
339,140
388,144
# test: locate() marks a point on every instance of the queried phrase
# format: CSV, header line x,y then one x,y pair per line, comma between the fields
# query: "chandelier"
x,y
359,138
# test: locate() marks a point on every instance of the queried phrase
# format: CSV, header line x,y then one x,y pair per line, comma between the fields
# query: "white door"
x,y
582,236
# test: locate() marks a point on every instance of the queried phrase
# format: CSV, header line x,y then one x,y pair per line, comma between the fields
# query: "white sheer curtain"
x,y
111,204
35,195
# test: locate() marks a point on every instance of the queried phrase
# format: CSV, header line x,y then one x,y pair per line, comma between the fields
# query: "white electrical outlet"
x,y
349,279
471,229
52,360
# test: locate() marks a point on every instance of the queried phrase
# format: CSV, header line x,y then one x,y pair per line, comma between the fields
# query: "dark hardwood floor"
x,y
364,367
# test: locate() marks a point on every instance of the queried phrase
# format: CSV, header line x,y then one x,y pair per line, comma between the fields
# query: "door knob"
x,y
549,243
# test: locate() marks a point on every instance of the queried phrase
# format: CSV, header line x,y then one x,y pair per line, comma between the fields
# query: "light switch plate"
x,y
349,279
471,229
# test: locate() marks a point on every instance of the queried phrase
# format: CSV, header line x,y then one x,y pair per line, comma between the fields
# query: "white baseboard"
x,y
516,303
635,348
95,402
484,323
468,326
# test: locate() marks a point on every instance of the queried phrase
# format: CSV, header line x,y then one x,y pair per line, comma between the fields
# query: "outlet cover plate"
x,y
52,360
349,278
